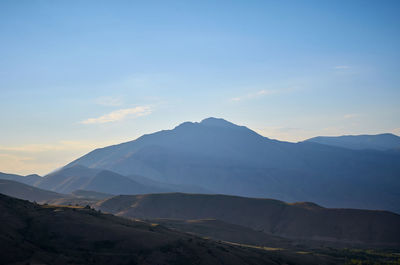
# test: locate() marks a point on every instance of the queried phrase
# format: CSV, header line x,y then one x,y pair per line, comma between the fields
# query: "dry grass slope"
x,y
301,221
34,234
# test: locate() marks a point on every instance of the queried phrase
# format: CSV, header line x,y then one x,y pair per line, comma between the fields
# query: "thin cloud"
x,y
350,115
262,93
43,158
14,157
22,164
119,115
342,67
286,133
66,145
254,95
109,101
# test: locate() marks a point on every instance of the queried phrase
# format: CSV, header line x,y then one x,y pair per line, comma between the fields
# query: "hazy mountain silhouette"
x,y
222,157
304,221
29,179
168,186
27,192
34,194
87,181
384,141
78,177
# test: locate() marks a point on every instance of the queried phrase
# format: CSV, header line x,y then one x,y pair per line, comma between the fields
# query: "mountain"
x,y
382,142
30,179
89,183
91,194
225,158
78,177
27,192
299,221
34,234
168,186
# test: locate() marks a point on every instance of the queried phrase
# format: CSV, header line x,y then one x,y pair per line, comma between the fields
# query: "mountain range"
x,y
78,177
23,191
386,141
217,156
33,179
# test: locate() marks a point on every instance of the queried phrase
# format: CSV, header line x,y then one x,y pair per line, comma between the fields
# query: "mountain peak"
x,y
217,122
209,122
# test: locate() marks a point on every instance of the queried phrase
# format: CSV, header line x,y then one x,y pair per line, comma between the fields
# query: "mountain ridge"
x,y
382,142
222,157
31,179
78,177
304,221
27,192
35,234
217,156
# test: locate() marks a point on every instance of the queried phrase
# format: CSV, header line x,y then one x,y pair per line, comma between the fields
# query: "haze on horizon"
x,y
75,76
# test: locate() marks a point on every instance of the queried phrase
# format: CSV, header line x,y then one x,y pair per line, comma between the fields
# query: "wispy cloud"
x,y
14,157
66,145
342,67
119,115
109,101
261,93
254,95
350,115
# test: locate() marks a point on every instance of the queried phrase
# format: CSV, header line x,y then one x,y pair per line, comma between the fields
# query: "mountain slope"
x,y
222,157
30,179
33,234
91,194
219,230
78,177
26,192
384,141
305,221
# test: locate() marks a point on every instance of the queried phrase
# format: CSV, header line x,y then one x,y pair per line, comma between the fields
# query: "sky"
x,y
78,75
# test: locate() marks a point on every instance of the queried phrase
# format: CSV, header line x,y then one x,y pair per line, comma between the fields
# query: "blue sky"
x,y
76,75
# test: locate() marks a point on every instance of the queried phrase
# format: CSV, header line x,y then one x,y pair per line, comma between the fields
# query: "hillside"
x,y
382,142
30,179
81,178
33,234
27,192
225,158
90,194
78,177
219,230
302,221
